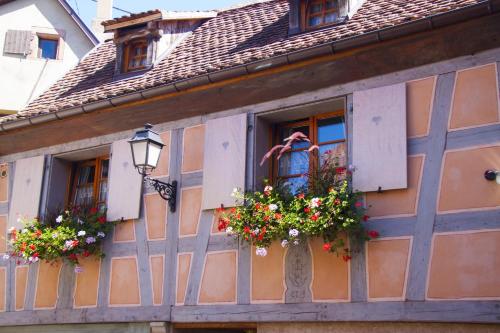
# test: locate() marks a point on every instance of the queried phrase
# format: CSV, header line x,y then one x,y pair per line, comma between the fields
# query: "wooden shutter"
x,y
125,184
18,42
224,161
27,189
60,173
379,138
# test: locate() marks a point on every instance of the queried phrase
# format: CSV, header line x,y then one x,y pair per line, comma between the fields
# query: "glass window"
x,y
47,48
135,55
328,132
317,13
90,182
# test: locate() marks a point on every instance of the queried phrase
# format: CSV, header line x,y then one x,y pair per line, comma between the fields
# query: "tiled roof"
x,y
234,37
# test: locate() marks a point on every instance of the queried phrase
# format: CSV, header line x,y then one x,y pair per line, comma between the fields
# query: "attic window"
x,y
319,13
135,55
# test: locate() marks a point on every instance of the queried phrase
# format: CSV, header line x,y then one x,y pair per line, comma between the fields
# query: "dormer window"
x,y
135,55
318,13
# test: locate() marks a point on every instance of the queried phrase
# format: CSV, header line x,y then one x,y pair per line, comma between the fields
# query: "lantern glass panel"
x,y
154,154
140,149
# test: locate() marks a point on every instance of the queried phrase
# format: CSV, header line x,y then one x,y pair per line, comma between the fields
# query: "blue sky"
x,y
86,8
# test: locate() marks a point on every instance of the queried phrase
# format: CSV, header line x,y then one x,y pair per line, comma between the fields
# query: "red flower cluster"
x,y
373,234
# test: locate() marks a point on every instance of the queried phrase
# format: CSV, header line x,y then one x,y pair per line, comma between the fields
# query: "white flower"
x,y
101,234
268,188
235,192
351,167
80,221
293,233
78,269
19,220
296,242
12,229
59,219
6,257
260,251
81,233
90,240
256,232
24,231
33,259
229,230
284,243
315,202
68,244
55,235
273,207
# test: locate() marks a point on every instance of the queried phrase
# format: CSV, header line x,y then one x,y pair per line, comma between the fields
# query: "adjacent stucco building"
x,y
26,28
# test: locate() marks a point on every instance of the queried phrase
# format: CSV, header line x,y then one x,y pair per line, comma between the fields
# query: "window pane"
x,y
293,163
315,20
331,17
315,8
296,184
86,175
84,196
104,169
330,4
288,131
103,191
331,129
48,48
333,153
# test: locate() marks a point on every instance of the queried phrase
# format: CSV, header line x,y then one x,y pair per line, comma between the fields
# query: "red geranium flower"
x,y
93,210
38,233
327,246
314,217
72,256
337,201
32,247
86,253
358,204
301,195
220,209
246,230
102,219
365,218
278,216
340,170
257,206
35,255
373,234
346,258
307,210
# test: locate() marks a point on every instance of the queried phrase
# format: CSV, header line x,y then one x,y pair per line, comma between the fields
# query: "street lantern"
x,y
146,146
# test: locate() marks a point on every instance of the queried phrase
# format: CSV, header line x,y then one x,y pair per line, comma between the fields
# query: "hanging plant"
x,y
326,207
75,233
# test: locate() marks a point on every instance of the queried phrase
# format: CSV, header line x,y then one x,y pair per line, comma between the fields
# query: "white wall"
x,y
19,74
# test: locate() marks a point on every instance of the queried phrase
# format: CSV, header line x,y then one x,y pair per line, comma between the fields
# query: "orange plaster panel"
x,y
192,150
463,172
330,274
190,211
156,214
87,282
465,265
47,285
124,232
183,268
21,283
419,96
164,161
398,202
124,289
475,99
157,273
218,284
4,182
268,277
3,288
3,234
387,263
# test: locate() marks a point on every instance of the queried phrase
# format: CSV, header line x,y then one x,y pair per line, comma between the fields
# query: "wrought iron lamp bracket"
x,y
167,191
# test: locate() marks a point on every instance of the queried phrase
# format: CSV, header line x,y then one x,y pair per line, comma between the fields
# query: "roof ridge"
x,y
243,4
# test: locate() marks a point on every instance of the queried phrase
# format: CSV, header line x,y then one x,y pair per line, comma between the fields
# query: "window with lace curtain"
x,y
90,182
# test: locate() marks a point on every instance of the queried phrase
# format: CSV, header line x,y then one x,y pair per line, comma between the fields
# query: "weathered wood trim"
x,y
124,249
29,299
105,273
476,136
192,179
426,210
157,247
468,221
417,146
67,280
171,244
145,284
393,227
198,259
442,311
88,315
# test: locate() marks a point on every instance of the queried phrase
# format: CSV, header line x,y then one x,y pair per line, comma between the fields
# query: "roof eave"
x,y
483,8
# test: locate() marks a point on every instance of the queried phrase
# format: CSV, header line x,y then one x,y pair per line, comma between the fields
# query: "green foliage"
x,y
76,232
